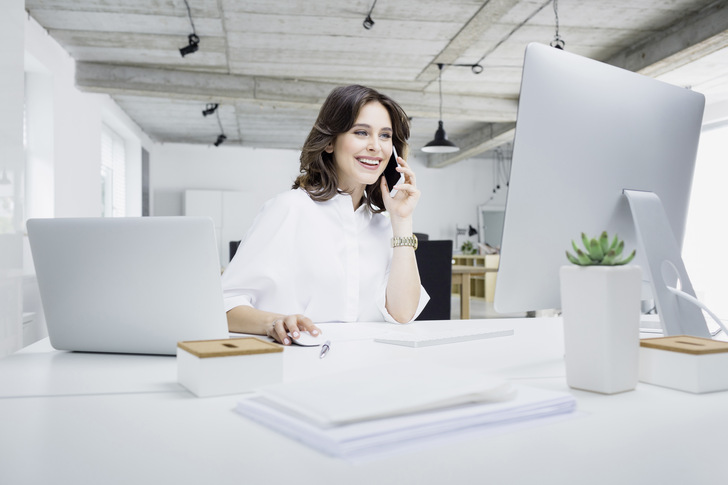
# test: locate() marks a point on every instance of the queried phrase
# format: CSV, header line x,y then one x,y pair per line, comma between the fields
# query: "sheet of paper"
x,y
385,390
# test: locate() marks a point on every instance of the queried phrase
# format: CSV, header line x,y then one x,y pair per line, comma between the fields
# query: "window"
x,y
706,231
113,174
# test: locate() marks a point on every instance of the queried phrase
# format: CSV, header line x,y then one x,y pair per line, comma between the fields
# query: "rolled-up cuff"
x,y
234,301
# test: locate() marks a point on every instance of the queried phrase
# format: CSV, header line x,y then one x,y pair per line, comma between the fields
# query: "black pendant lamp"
x,y
440,144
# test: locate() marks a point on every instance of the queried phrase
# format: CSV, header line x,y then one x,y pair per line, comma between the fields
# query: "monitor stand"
x,y
668,276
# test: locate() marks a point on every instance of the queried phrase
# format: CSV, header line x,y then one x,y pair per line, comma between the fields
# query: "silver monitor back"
x,y
585,132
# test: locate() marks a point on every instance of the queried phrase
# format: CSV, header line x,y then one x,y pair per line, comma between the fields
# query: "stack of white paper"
x,y
426,338
357,413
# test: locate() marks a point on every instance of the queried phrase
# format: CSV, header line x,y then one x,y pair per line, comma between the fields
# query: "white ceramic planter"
x,y
601,313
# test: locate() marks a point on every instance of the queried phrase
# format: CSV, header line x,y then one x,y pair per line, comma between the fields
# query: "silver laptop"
x,y
128,285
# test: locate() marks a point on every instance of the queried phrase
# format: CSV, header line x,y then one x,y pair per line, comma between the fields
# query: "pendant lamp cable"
x,y
189,14
440,144
439,82
368,22
558,42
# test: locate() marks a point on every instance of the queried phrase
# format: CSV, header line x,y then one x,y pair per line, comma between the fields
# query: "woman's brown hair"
x,y
337,115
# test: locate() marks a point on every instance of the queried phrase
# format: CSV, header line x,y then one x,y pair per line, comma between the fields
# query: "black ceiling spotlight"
x,y
210,108
220,139
193,41
193,45
368,22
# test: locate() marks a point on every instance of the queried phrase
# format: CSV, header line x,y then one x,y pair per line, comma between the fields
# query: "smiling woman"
x,y
324,251
339,115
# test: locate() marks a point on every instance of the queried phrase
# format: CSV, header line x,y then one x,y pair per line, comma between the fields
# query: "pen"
x,y
325,349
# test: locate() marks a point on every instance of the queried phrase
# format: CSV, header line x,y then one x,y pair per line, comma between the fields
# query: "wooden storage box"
x,y
685,363
228,366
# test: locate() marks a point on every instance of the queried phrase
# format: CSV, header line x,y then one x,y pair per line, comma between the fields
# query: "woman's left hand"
x,y
403,204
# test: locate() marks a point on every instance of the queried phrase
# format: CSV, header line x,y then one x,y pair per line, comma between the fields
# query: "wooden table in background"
x,y
461,276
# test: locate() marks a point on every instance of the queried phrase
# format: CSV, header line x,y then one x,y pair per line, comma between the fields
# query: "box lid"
x,y
229,347
686,344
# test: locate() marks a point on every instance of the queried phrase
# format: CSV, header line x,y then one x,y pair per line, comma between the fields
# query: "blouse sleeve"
x,y
261,258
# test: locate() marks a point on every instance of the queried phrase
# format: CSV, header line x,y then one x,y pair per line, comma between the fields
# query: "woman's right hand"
x,y
246,319
293,324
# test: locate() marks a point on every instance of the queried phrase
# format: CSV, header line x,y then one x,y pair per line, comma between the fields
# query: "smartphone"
x,y
391,175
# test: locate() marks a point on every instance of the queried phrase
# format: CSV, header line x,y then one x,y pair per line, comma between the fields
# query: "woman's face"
x,y
361,154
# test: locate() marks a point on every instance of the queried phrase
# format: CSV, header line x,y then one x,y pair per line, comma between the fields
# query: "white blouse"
x,y
319,259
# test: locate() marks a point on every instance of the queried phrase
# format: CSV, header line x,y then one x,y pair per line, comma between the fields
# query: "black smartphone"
x,y
391,175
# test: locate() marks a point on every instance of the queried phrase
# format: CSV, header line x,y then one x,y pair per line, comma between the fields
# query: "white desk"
x,y
94,418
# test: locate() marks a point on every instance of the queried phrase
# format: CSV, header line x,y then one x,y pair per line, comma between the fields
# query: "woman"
x,y
324,251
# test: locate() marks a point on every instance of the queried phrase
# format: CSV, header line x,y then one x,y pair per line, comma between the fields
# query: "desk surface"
x,y
96,418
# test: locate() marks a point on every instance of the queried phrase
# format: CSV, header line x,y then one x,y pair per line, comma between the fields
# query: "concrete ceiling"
x,y
270,63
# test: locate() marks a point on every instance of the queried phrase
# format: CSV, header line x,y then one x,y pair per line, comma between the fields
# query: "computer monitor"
x,y
586,132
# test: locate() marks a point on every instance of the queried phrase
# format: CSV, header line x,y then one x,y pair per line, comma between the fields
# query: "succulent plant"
x,y
599,252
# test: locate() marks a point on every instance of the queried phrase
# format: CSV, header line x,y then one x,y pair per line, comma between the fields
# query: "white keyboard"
x,y
440,338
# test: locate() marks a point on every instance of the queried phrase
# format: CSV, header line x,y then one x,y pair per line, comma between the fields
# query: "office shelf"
x,y
481,286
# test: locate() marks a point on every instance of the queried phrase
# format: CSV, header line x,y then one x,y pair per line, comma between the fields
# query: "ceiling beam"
x,y
216,87
488,15
689,39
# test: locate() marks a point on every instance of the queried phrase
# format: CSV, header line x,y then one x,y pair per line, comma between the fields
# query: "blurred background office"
x,y
102,108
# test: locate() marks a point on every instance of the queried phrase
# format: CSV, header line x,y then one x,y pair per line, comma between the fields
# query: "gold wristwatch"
x,y
405,241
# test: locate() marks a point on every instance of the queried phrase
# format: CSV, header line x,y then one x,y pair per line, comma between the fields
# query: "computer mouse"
x,y
305,339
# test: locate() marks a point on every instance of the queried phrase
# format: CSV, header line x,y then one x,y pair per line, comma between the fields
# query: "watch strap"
x,y
405,241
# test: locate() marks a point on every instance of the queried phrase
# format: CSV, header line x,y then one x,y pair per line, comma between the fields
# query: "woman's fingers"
x,y
290,326
409,174
278,331
307,325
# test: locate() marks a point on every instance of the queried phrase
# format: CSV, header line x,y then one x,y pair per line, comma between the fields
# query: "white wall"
x,y
11,173
76,119
706,232
450,195
75,128
175,168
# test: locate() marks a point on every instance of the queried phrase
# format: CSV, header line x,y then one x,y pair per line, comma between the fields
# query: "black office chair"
x,y
434,260
233,248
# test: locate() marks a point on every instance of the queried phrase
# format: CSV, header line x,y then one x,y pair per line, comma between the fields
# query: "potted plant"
x,y
600,303
468,248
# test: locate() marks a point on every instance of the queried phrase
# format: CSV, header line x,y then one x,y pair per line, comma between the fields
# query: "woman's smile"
x,y
370,163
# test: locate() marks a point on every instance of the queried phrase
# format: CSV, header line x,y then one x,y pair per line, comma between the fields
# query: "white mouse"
x,y
305,339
